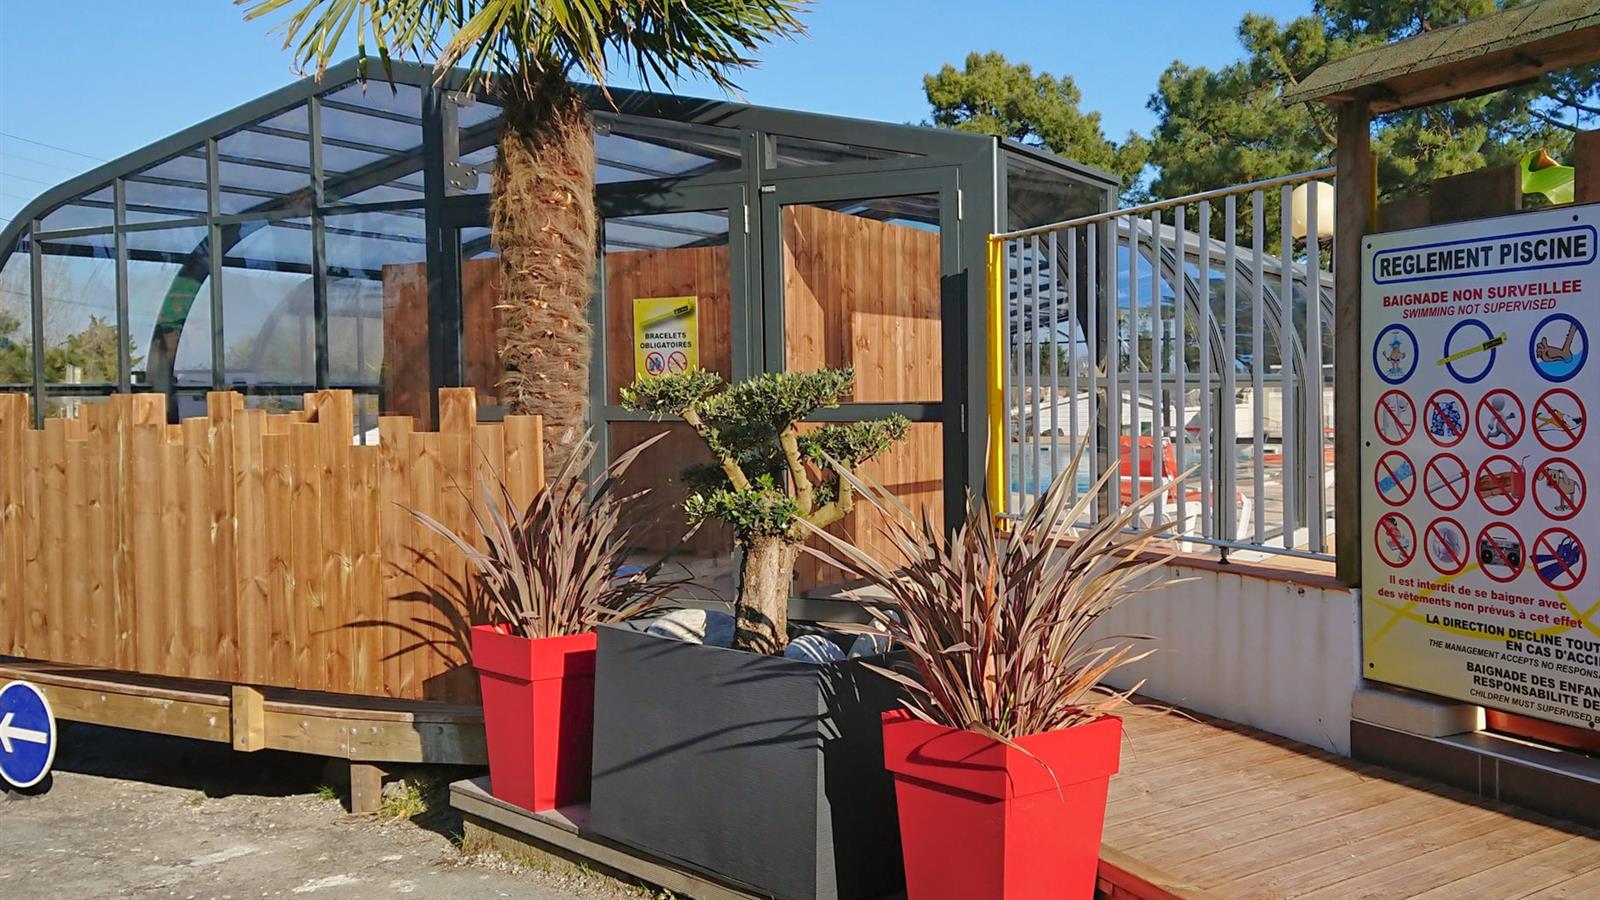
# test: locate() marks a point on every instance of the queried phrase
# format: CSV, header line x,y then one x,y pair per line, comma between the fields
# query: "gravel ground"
x,y
136,815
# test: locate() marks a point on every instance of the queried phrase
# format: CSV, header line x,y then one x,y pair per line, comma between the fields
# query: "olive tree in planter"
x,y
752,766
547,574
769,481
1007,743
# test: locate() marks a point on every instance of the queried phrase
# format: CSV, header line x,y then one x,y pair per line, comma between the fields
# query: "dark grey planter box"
x,y
761,771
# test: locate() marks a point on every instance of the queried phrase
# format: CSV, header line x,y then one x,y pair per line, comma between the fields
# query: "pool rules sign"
x,y
1478,576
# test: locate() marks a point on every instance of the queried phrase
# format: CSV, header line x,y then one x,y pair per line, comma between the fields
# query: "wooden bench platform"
x,y
1218,809
368,731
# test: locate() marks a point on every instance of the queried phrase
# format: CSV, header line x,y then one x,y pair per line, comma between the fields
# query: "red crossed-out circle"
x,y
1396,539
1501,484
1556,572
1397,467
1564,486
655,363
1446,482
1558,428
677,361
1395,414
1498,424
1499,546
1446,559
1453,433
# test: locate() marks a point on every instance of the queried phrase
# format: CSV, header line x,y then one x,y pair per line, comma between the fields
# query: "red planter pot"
x,y
538,715
981,819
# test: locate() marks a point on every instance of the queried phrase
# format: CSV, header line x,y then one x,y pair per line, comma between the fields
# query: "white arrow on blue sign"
x,y
27,735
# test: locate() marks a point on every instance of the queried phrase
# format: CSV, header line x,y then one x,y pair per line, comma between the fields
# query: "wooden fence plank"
x,y
254,614
366,609
74,621
100,551
278,492
202,635
14,420
307,620
172,595
397,579
525,472
335,426
52,627
222,408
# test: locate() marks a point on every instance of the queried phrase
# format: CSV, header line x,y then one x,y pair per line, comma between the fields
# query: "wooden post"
x,y
1586,160
249,719
1353,212
366,788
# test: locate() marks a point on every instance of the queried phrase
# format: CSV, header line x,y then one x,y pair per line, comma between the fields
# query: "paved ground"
x,y
133,815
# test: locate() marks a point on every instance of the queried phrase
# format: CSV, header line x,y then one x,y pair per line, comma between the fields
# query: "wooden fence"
x,y
249,548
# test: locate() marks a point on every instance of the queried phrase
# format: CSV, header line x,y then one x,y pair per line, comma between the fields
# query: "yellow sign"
x,y
666,335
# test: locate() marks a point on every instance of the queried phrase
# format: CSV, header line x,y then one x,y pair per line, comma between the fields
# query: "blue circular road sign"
x,y
27,735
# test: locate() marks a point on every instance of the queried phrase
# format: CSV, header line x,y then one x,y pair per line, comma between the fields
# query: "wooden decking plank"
x,y
1240,862
1549,867
1133,802
1582,885
1508,841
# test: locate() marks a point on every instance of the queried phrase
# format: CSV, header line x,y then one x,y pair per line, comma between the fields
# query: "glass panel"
x,y
169,304
269,327
861,287
654,266
92,210
80,310
480,314
378,307
267,166
71,407
799,151
372,143
1037,194
16,316
659,472
175,189
275,403
628,149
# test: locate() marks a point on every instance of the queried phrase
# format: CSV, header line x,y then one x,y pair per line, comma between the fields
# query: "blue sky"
x,y
94,79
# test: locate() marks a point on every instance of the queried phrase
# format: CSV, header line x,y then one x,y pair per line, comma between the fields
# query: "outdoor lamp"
x,y
1299,208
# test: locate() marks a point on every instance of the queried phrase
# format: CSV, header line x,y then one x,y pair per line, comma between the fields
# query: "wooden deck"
x,y
1217,809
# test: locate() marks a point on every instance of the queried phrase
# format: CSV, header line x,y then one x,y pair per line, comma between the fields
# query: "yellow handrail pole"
x,y
996,374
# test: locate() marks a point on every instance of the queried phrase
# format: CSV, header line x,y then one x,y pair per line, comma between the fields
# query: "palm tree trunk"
x,y
543,215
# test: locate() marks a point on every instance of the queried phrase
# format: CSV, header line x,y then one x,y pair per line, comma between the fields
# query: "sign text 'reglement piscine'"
x,y
1552,248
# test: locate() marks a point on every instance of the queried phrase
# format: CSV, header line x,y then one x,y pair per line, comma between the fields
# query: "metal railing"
x,y
1191,345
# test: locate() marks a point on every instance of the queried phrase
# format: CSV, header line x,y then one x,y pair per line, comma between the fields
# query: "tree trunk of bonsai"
x,y
762,614
544,225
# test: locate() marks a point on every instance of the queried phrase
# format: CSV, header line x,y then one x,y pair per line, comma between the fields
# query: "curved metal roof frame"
x,y
910,139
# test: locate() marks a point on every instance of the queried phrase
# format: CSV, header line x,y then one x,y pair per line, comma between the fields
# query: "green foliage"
x,y
990,95
527,40
669,394
853,443
750,428
1229,126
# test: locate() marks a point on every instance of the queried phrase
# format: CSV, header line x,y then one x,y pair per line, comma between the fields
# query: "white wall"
x,y
1281,656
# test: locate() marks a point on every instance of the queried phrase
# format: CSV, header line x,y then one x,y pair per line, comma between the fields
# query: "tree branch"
x,y
1552,121
736,475
804,493
830,513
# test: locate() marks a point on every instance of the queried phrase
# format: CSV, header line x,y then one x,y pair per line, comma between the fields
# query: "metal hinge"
x,y
963,418
746,218
960,204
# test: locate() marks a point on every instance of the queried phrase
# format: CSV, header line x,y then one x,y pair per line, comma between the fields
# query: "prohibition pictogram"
x,y
1395,417
1446,543
1396,478
1500,552
1559,559
1500,418
1446,482
1559,419
1501,484
1559,488
1396,539
677,361
655,364
1445,418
